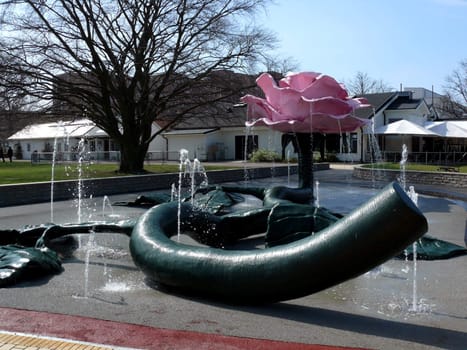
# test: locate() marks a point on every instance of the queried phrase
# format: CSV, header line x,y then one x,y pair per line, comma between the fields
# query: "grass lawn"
x,y
24,172
412,166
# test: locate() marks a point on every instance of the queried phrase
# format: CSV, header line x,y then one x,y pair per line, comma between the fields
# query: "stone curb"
x,y
458,180
29,193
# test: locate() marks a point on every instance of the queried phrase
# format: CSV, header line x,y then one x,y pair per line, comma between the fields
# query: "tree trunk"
x,y
305,160
132,158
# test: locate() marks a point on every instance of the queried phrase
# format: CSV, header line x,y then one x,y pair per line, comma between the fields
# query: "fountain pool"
x,y
372,310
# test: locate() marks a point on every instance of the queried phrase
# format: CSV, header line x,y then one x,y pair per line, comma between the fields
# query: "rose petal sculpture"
x,y
304,102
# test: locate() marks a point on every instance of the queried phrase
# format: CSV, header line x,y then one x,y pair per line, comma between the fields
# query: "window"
x,y
353,142
350,142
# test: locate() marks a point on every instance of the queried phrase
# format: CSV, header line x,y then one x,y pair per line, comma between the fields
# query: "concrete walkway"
x,y
114,306
65,332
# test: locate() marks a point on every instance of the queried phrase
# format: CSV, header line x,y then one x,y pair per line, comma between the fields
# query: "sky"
x,y
416,43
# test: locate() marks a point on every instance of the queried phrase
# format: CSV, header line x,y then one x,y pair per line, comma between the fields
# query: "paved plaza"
x,y
109,303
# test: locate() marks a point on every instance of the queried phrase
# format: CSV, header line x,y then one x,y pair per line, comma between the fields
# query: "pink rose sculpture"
x,y
303,103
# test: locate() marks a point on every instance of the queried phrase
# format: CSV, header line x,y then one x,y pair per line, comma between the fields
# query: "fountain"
x,y
375,152
106,203
317,194
301,239
403,164
80,188
52,176
414,197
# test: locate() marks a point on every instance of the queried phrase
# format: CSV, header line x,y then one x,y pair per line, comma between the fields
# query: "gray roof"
x,y
377,101
403,102
225,116
395,100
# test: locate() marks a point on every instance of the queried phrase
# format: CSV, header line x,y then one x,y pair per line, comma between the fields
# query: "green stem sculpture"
x,y
368,236
305,160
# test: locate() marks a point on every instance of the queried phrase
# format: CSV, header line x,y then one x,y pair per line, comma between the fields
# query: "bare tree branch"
x,y
128,63
362,84
455,101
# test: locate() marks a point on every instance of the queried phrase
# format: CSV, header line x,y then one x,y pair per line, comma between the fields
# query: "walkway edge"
x,y
110,333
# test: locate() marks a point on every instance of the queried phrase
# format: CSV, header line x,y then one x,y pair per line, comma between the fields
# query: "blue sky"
x,y
416,43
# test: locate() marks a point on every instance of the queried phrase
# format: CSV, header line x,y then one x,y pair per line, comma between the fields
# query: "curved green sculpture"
x,y
26,255
368,236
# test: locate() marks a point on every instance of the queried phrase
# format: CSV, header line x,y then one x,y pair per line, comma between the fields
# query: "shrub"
x,y
264,155
332,157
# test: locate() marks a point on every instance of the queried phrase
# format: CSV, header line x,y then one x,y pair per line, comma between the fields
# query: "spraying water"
x,y
81,155
106,204
183,159
90,247
271,147
52,176
317,193
86,265
375,152
414,197
52,180
197,168
173,192
403,163
246,175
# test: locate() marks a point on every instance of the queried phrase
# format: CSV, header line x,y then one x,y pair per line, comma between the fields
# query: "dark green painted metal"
x,y
368,236
19,263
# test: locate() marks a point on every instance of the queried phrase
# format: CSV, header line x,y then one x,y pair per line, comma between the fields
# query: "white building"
x,y
41,139
217,139
225,137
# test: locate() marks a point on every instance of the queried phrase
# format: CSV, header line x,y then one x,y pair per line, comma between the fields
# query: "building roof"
x,y
377,102
221,115
396,100
76,129
405,102
191,131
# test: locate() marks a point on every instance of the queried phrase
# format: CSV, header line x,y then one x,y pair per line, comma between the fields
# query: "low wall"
x,y
41,192
420,177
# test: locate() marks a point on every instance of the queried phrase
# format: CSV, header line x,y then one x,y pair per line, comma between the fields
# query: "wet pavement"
x,y
378,310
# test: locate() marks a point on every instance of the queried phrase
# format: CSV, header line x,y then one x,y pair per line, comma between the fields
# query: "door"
x,y
251,146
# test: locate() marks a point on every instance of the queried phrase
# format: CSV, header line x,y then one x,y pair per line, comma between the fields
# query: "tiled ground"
x,y
12,341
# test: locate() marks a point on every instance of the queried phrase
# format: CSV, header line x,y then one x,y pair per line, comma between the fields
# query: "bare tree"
x,y
15,104
128,63
12,98
281,66
363,84
455,101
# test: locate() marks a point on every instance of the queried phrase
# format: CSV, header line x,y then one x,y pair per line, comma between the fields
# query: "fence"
x,y
447,158
64,157
159,156
96,157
